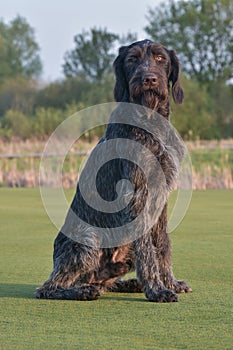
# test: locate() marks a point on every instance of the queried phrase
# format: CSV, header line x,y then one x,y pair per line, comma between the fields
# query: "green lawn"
x,y
202,254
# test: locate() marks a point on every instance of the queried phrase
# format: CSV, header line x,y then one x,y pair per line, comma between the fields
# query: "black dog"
x,y
83,270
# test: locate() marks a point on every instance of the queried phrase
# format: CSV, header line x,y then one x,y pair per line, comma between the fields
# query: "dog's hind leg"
x,y
125,262
126,286
114,263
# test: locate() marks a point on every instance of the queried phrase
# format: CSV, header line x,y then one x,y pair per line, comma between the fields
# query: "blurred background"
x,y
57,59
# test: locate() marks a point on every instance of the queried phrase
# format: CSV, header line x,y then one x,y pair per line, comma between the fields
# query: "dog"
x,y
145,72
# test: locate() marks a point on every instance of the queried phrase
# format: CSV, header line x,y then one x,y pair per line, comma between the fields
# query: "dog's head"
x,y
144,71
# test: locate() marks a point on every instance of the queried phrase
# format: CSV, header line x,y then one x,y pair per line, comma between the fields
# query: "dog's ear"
x,y
120,88
177,91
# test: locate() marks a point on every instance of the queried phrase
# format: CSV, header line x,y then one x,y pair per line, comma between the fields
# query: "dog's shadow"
x,y
124,297
13,290
27,291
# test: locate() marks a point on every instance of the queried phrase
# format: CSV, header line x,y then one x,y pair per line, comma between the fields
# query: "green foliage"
x,y
46,121
58,94
93,54
222,104
196,25
16,124
216,158
204,114
18,50
127,39
201,33
195,118
202,254
18,94
77,89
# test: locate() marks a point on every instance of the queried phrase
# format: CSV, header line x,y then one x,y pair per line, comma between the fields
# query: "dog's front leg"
x,y
162,243
148,271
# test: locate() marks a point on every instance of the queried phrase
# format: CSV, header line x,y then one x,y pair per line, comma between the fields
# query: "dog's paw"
x,y
161,296
181,287
89,292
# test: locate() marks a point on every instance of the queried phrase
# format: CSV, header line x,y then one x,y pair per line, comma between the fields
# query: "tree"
x,y
17,94
196,117
94,53
18,50
75,90
128,38
222,102
201,31
17,124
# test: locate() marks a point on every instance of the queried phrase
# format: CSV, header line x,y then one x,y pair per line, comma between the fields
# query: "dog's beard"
x,y
150,98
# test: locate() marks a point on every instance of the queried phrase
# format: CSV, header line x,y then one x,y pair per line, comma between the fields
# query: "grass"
x,y
202,254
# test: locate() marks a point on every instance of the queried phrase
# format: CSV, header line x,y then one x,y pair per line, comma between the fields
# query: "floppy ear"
x,y
177,92
120,88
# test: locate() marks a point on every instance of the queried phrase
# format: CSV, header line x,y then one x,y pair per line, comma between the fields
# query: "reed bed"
x,y
212,164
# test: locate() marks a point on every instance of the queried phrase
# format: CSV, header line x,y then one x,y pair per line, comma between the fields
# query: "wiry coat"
x,y
144,71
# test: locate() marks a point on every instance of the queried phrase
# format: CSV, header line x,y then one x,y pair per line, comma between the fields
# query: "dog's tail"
x,y
85,292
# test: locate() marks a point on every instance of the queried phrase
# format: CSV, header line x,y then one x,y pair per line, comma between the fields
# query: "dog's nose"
x,y
149,79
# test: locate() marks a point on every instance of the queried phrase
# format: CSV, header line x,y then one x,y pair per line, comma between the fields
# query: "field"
x,y
212,163
202,254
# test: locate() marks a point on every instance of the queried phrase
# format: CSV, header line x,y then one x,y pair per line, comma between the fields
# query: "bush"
x,y
46,120
17,94
16,124
195,118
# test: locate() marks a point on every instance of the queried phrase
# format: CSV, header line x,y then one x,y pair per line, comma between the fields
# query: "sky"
x,y
57,22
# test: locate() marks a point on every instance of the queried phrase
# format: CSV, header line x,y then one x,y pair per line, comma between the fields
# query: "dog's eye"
x,y
159,58
132,59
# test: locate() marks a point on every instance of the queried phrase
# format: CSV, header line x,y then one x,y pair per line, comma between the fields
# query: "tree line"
x,y
201,32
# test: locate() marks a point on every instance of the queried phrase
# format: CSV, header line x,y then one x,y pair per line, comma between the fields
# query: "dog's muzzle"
x,y
149,81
